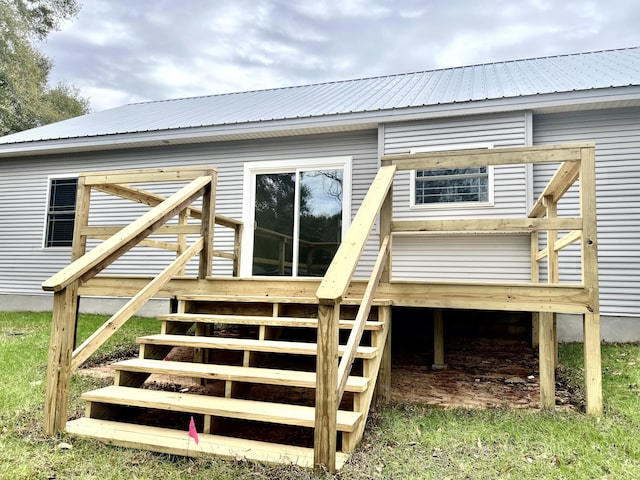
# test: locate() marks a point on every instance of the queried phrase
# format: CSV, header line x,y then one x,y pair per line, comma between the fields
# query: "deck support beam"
x,y
547,361
438,341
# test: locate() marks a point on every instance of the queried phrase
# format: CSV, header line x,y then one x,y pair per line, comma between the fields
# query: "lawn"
x,y
403,441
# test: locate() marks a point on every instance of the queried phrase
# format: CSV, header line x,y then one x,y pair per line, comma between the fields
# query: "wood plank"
x,y
109,250
269,412
484,157
109,230
119,318
177,442
149,175
267,376
260,320
488,224
273,299
486,296
361,318
338,276
563,242
560,182
224,343
207,225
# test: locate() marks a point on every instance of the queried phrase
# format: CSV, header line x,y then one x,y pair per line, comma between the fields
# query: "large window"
x,y
297,216
61,210
446,186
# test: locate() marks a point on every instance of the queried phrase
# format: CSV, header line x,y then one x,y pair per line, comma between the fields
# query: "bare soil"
x,y
478,376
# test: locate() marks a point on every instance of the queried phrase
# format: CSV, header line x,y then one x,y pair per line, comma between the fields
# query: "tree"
x,y
26,99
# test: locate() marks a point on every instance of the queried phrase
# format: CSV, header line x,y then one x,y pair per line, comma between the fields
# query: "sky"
x,y
125,51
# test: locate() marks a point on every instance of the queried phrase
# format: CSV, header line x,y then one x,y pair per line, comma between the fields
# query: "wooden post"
x,y
591,323
535,278
438,341
383,383
79,242
324,440
237,241
59,360
547,362
552,261
183,219
208,223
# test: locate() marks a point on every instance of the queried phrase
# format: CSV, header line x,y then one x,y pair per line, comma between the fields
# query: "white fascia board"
x,y
600,98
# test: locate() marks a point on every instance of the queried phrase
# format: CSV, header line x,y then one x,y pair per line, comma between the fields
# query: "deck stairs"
x,y
244,369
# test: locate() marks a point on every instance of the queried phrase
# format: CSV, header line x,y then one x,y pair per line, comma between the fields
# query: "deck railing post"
x,y
65,304
324,441
591,325
208,221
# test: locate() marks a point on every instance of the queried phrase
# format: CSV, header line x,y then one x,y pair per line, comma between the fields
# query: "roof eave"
x,y
552,102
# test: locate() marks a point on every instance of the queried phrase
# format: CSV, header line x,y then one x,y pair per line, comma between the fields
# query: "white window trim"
x,y
451,205
46,209
251,169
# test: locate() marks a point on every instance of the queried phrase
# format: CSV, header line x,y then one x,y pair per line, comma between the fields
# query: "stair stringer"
x,y
362,401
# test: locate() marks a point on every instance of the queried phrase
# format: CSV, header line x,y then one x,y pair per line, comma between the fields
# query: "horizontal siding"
x,y
429,256
468,258
616,133
24,264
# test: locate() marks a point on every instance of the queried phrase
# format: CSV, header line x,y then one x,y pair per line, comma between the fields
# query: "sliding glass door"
x,y
297,219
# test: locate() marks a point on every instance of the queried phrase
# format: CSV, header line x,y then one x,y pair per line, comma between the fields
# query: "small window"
x,y
452,185
61,212
446,186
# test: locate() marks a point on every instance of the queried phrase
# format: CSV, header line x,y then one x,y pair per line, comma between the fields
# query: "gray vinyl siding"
x,y
616,133
25,264
470,257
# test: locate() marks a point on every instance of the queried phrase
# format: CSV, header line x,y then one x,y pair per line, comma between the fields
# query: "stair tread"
x,y
273,346
293,378
260,320
280,413
276,299
178,442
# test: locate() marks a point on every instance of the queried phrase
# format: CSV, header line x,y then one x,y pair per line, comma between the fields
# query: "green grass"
x,y
403,441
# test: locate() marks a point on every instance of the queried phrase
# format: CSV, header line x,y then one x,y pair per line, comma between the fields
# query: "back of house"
x,y
294,164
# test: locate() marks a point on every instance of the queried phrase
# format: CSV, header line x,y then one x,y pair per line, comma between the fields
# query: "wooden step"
x,y
268,346
260,320
178,442
275,299
268,376
280,413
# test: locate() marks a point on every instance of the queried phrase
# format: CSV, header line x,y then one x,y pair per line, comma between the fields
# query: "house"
x,y
294,164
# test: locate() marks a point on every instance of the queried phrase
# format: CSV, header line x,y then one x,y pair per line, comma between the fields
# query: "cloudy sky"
x,y
119,51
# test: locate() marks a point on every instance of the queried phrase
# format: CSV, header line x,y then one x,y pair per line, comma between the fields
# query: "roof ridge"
x,y
391,75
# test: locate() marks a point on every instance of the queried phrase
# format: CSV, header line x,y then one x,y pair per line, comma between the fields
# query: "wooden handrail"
x,y
355,336
482,157
108,251
338,276
488,224
118,319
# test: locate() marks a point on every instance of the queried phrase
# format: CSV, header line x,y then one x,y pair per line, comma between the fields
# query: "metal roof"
x,y
477,83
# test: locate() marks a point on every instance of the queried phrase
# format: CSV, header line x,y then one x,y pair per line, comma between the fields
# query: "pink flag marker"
x,y
193,433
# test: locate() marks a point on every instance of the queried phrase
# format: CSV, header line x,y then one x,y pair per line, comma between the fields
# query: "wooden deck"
x,y
351,318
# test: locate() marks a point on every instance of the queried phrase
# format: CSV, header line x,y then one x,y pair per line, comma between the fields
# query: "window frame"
x,y
251,169
47,210
449,205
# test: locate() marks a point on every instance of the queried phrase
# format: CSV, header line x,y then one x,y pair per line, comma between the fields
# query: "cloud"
x,y
117,52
